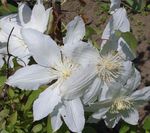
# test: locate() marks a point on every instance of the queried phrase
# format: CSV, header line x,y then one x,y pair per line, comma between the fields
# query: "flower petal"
x,y
39,18
141,95
46,102
75,31
111,121
73,115
19,49
8,23
92,92
44,49
56,118
100,113
76,84
31,77
131,117
126,51
118,21
24,12
115,4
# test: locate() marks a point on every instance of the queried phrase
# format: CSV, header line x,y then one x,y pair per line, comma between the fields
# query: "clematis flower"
x,y
61,99
26,18
110,66
122,102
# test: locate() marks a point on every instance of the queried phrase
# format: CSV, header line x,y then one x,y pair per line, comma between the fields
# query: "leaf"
x,y
49,128
124,128
13,118
11,93
31,99
131,41
4,131
146,124
37,128
89,32
10,9
89,129
3,114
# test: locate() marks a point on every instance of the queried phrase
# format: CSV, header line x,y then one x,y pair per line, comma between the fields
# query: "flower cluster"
x,y
79,77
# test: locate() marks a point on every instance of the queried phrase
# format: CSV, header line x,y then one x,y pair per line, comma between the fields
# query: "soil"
x,y
96,15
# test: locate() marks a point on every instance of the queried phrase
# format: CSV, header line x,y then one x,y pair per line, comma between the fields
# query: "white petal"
x,y
73,115
75,31
134,81
1,61
111,121
19,49
126,73
100,113
56,118
115,4
141,95
8,23
78,82
92,92
46,102
31,77
118,21
82,53
24,13
125,50
39,18
44,50
3,39
131,117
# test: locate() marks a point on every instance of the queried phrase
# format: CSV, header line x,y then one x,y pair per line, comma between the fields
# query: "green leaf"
x,y
131,41
89,32
31,99
49,127
11,93
10,9
3,114
146,124
37,128
13,118
89,129
124,128
4,131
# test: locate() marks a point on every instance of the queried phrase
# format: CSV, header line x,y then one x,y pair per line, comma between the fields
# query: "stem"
x,y
57,21
9,55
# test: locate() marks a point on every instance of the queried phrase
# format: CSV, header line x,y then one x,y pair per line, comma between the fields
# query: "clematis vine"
x,y
26,18
61,99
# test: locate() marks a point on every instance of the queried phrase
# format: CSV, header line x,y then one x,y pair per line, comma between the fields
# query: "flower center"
x,y
65,68
109,67
120,104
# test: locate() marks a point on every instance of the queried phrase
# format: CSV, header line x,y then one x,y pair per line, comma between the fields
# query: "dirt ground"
x,y
97,17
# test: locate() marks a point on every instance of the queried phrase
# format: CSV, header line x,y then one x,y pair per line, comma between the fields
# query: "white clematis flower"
x,y
61,99
109,65
121,103
26,18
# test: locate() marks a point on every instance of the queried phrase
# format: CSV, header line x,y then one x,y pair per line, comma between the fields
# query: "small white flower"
x,y
26,18
121,103
60,99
